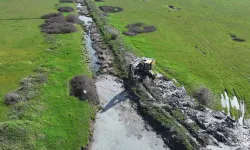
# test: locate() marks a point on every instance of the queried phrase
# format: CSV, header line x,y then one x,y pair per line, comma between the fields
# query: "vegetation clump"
x,y
84,88
57,25
99,0
138,28
66,9
110,9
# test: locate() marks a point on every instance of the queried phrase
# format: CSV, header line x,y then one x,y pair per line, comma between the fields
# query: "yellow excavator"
x,y
140,68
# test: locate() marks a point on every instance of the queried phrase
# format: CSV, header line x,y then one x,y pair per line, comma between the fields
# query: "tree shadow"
x,y
114,101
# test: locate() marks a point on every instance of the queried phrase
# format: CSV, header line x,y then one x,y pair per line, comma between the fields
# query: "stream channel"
x,y
117,126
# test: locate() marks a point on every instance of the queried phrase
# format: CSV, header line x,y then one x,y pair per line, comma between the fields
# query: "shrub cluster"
x,y
110,9
84,88
66,9
58,25
138,28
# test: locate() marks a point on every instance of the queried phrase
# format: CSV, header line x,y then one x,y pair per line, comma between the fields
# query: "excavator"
x,y
140,68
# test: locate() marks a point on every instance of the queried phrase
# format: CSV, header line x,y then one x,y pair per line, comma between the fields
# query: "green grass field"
x,y
52,120
193,44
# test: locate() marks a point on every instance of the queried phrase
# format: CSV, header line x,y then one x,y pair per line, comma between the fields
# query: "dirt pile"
x,y
110,9
84,88
138,28
57,24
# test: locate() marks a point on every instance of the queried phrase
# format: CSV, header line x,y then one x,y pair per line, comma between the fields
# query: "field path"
x,y
118,126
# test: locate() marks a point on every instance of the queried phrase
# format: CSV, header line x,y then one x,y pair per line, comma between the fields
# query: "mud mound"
x,y
66,9
84,88
67,1
237,39
138,28
110,9
51,15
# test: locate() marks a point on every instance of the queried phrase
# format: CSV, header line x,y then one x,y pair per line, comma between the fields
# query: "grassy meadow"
x,y
193,44
53,119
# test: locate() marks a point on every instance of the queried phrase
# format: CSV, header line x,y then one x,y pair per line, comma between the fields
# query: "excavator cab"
x,y
141,67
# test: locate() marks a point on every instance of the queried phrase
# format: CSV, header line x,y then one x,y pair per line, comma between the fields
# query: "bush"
x,y
204,96
66,9
12,98
57,25
58,28
51,15
72,18
67,1
84,88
